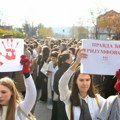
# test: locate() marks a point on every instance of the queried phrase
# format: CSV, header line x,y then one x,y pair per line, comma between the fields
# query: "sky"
x,y
52,13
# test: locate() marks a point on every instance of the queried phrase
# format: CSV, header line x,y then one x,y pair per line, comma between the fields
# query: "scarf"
x,y
4,112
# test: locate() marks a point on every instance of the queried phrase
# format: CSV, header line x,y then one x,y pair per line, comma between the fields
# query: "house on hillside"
x,y
108,26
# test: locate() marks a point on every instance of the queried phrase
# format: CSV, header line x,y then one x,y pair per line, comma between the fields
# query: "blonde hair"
x,y
15,98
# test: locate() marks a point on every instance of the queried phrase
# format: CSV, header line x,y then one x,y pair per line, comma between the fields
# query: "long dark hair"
x,y
74,98
45,53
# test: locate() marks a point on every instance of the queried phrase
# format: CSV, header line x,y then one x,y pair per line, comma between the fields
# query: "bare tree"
x,y
94,15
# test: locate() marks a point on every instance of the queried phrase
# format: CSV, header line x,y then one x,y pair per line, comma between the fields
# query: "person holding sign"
x,y
111,108
82,103
11,105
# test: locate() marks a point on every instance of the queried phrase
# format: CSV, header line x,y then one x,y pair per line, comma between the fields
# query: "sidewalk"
x,y
42,112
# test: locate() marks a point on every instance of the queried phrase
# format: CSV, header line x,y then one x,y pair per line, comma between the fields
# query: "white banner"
x,y
103,57
10,51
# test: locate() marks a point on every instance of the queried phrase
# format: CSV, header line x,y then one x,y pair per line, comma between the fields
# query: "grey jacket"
x,y
105,110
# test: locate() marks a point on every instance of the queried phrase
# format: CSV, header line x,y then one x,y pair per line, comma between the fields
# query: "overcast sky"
x,y
52,13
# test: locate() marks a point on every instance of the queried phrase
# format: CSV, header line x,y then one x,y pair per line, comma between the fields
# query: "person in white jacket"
x,y
11,101
82,89
111,108
51,70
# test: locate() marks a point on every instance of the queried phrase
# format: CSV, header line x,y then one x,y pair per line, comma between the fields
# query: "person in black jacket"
x,y
42,84
64,61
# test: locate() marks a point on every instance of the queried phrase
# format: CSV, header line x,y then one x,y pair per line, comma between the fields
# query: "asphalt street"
x,y
41,111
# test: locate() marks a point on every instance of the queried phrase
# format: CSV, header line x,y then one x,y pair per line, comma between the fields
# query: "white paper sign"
x,y
10,52
103,57
44,68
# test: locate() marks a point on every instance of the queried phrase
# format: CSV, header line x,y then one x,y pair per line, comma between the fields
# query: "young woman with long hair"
x,y
82,102
10,100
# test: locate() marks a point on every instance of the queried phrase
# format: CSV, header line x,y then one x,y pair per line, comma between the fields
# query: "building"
x,y
4,27
108,25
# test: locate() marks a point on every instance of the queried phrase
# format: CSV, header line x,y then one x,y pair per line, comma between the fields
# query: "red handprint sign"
x,y
10,52
9,49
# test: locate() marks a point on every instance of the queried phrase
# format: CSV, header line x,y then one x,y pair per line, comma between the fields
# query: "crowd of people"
x,y
51,74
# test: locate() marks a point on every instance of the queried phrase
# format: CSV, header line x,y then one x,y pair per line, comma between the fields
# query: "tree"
x,y
29,30
44,32
26,27
83,32
7,33
79,32
50,32
94,16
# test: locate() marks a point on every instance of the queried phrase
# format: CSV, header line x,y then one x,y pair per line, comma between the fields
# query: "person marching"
x,y
12,106
81,102
111,108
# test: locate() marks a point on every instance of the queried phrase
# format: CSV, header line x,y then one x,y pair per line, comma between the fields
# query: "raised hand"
x,y
26,64
117,84
80,54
